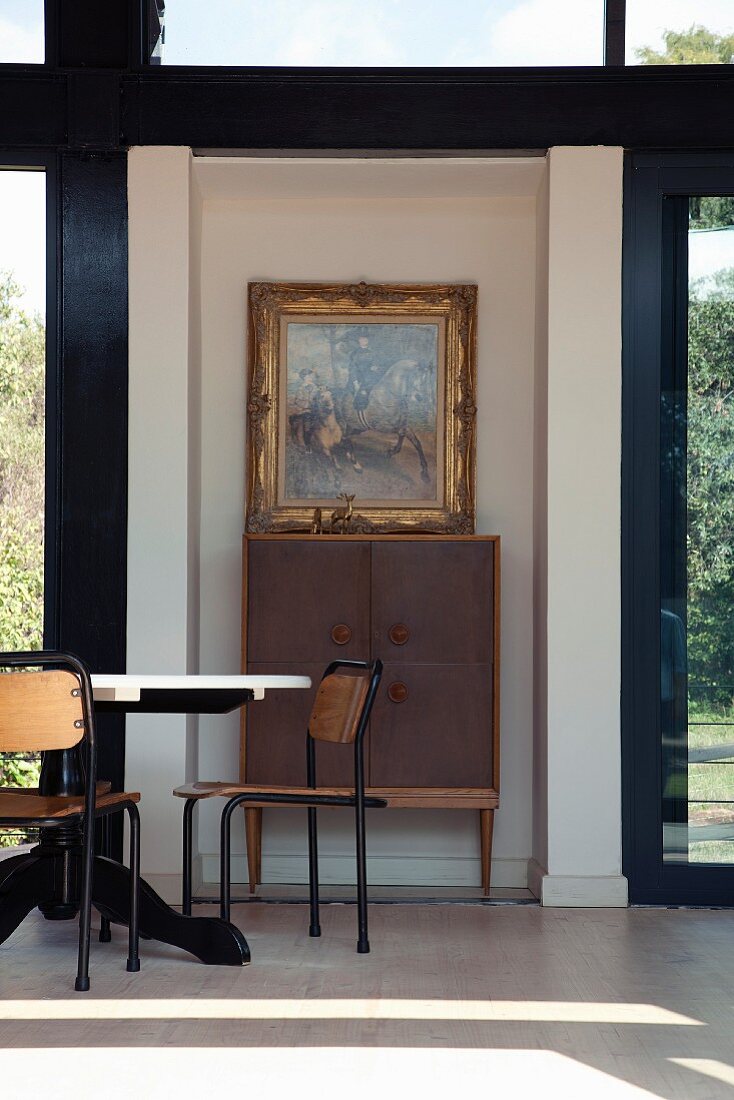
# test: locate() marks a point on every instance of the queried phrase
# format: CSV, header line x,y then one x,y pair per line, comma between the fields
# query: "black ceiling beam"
x,y
94,110
659,107
33,108
106,109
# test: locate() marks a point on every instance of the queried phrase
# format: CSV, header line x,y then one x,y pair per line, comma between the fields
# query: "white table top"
x,y
126,688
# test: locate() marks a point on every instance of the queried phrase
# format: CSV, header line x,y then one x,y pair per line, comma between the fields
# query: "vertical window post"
x,y
614,25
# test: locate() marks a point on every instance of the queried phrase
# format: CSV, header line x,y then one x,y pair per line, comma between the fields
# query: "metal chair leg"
x,y
187,855
105,933
313,873
133,959
363,943
85,907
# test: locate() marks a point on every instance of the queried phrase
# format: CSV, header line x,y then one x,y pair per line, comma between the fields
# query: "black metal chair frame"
x,y
358,800
88,816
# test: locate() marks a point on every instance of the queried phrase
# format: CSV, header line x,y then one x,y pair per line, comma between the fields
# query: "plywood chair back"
x,y
40,710
338,707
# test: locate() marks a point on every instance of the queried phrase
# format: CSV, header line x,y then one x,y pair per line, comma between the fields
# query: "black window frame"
x,y
655,320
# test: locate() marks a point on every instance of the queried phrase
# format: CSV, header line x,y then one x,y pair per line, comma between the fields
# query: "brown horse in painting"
x,y
325,432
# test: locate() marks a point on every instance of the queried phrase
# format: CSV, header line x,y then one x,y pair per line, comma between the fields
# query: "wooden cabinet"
x,y
428,606
442,591
434,736
299,592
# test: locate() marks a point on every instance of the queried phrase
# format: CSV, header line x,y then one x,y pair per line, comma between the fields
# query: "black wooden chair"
x,y
49,711
340,715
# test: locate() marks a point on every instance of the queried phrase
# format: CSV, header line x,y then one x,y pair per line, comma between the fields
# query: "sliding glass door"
x,y
697,543
678,703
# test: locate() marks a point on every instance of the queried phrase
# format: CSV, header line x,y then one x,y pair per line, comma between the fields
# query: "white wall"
x,y
540,544
194,465
162,628
578,767
444,232
199,232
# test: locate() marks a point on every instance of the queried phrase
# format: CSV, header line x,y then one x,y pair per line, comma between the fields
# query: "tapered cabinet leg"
x,y
253,832
486,826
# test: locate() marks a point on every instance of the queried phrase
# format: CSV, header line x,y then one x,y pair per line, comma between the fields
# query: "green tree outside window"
x,y
22,400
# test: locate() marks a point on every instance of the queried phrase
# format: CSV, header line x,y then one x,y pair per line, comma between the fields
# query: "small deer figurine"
x,y
316,527
342,516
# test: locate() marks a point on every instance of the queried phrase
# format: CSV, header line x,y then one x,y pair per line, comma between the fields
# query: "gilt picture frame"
x,y
364,390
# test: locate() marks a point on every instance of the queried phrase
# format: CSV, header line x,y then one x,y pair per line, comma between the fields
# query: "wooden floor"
x,y
512,1001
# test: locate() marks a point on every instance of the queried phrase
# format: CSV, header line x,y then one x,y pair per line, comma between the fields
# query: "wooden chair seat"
x,y
301,796
222,789
24,805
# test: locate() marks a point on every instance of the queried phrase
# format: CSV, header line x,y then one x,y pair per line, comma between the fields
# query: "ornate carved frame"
x,y
457,305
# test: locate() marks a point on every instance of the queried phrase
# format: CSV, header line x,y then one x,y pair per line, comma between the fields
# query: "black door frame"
x,y
654,331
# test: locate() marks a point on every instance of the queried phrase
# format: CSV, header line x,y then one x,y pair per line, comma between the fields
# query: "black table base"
x,y
48,879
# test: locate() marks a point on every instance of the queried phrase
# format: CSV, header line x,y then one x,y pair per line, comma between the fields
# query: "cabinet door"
x,y
307,601
440,734
442,593
276,735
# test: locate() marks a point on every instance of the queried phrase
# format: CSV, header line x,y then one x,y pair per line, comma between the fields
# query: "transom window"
x,y
412,34
383,34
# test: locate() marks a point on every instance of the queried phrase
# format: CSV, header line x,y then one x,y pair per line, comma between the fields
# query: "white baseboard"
x,y
558,891
338,870
577,891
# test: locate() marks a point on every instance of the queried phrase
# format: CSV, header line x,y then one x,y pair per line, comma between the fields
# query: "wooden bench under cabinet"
x,y
428,606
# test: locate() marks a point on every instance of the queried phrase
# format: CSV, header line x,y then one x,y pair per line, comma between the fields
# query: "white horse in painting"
x,y
400,396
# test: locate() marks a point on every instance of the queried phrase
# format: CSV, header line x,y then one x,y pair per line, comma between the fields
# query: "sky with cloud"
x,y
23,234
418,32
21,31
710,251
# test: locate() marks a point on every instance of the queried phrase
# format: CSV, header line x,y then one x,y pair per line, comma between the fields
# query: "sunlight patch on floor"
x,y
720,1071
310,1074
576,1012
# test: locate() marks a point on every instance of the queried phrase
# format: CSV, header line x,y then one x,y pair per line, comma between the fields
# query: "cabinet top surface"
x,y
277,536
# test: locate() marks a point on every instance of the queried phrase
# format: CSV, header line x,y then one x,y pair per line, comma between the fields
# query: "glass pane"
x,y
714,780
711,832
21,31
22,399
697,565
679,32
396,33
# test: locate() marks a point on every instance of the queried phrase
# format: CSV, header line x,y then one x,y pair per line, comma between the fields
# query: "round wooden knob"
x,y
397,692
398,634
341,634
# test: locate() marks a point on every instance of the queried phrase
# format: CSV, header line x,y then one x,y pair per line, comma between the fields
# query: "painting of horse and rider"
x,y
362,409
364,393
